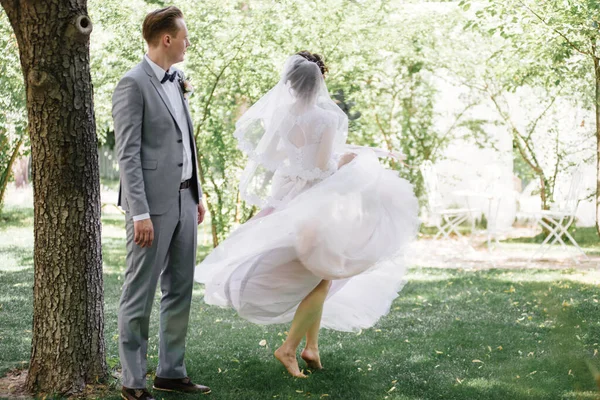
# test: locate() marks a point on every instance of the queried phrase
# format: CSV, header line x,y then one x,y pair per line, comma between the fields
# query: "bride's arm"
x,y
345,159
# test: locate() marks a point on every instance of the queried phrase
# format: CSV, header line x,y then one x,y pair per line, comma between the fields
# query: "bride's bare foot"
x,y
312,358
289,361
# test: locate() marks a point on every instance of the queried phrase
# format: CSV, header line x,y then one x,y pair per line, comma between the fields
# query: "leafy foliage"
x,y
531,82
566,64
13,114
390,64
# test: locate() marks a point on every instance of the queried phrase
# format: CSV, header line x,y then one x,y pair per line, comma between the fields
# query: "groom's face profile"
x,y
166,33
176,45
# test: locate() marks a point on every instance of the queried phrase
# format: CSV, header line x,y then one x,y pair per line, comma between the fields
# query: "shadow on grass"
x,y
451,334
16,217
113,255
492,335
109,184
114,220
16,304
22,256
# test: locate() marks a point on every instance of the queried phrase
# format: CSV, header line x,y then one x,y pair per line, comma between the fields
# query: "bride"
x,y
326,248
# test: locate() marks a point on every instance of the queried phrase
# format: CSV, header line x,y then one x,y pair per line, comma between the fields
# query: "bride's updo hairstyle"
x,y
304,75
316,58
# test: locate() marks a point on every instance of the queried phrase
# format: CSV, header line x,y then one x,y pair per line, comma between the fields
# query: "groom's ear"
x,y
167,40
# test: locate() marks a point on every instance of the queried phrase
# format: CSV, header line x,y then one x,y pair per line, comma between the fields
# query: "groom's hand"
x,y
143,232
201,212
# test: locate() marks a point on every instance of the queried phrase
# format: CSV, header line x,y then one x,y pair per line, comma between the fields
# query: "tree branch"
x,y
5,176
575,47
214,87
451,128
518,138
556,166
537,120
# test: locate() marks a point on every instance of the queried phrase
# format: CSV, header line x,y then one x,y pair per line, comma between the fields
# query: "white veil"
x,y
260,129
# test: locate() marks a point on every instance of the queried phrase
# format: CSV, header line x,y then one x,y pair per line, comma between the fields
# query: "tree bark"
x,y
68,347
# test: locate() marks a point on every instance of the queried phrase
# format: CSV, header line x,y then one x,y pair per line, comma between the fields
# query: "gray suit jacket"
x,y
149,144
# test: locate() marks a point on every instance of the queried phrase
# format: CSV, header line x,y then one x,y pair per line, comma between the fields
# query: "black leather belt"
x,y
185,184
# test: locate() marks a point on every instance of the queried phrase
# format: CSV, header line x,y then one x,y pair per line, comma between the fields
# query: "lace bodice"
x,y
308,146
290,135
301,153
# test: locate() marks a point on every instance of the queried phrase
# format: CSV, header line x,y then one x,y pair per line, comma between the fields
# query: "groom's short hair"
x,y
159,22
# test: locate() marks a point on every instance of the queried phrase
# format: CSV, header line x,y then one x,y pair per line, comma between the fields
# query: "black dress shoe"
x,y
135,394
183,385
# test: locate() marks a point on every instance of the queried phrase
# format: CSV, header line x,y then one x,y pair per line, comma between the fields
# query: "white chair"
x,y
558,220
446,220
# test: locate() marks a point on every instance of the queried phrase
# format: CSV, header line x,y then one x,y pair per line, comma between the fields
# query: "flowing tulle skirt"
x,y
350,228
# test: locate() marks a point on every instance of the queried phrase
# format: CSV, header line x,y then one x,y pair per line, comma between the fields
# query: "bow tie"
x,y
168,77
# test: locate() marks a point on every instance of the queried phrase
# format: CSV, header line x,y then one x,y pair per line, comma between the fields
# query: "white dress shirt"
x,y
175,98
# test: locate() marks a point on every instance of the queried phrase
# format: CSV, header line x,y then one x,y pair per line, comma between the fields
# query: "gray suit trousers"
x,y
172,256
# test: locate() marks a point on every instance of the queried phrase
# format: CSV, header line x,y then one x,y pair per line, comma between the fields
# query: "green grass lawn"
x,y
451,334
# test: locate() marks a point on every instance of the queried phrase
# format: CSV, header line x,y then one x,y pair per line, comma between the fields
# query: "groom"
x,y
161,195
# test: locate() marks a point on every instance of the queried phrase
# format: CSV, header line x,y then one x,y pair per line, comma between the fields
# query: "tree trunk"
x,y
211,211
68,348
544,191
6,174
597,73
217,213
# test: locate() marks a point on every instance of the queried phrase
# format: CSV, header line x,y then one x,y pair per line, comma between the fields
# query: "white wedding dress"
x,y
349,225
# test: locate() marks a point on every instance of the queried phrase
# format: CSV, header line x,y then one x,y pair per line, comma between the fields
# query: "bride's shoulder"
x,y
323,115
329,118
